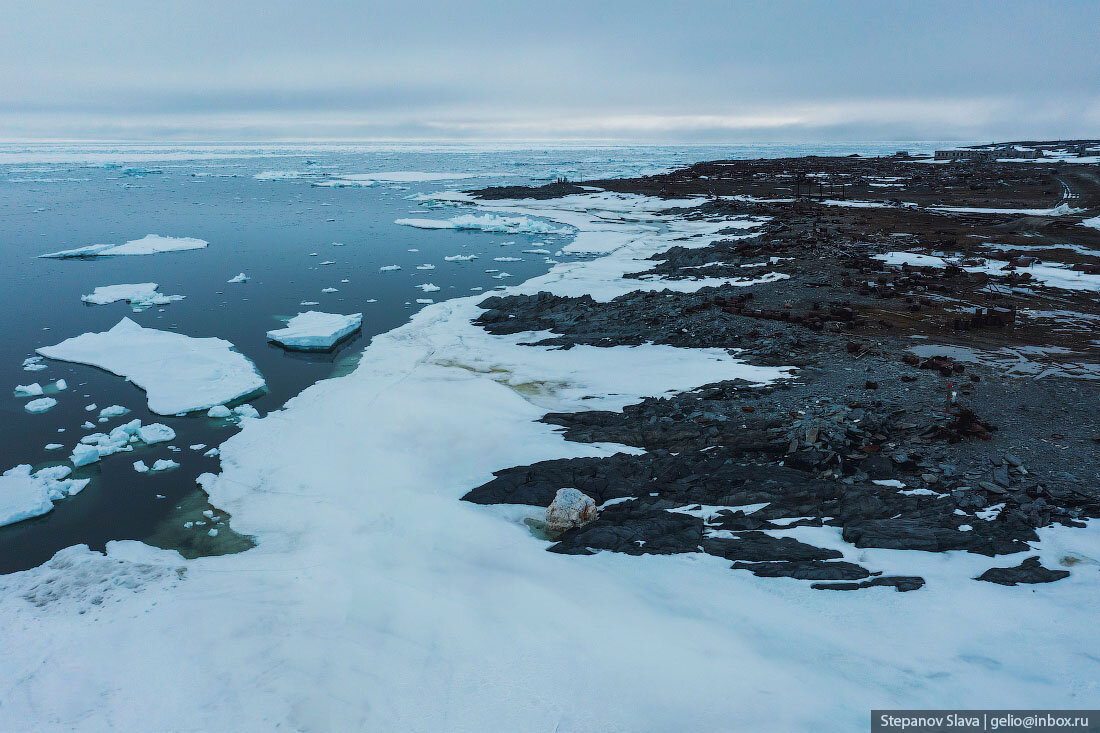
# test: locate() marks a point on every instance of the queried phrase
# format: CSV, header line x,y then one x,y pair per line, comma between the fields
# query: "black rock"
x,y
1029,571
901,583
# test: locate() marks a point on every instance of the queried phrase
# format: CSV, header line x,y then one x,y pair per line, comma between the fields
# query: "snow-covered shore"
x,y
375,599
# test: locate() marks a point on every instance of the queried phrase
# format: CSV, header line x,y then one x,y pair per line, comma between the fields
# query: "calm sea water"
x,y
55,197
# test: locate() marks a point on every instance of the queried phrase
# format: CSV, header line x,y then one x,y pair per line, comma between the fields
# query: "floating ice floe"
x,y
488,223
147,245
316,331
28,390
164,464
330,290
428,287
238,278
33,364
425,301
42,404
389,268
178,373
425,266
113,411
139,295
24,494
459,258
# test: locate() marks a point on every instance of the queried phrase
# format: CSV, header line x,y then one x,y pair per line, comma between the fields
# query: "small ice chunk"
x,y
328,262
389,268
33,364
329,290
507,259
90,408
40,405
60,385
425,301
140,467
308,303
212,452
428,287
54,446
83,454
459,258
88,425
164,464
113,411
425,266
213,532
197,446
238,278
28,390
219,411
155,433
139,295
246,411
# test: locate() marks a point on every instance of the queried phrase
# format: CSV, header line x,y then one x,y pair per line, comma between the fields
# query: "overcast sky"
x,y
684,71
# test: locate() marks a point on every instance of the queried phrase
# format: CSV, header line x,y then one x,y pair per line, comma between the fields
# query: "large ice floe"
x,y
139,295
178,373
25,494
147,245
375,599
316,331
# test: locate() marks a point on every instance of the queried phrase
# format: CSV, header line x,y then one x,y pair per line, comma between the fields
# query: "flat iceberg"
x,y
316,331
238,278
28,390
40,405
24,494
147,245
139,295
178,373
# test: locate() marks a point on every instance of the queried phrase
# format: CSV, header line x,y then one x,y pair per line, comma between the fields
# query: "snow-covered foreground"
x,y
377,600
178,373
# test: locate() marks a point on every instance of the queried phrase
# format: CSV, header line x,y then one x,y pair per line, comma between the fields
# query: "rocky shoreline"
x,y
939,407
